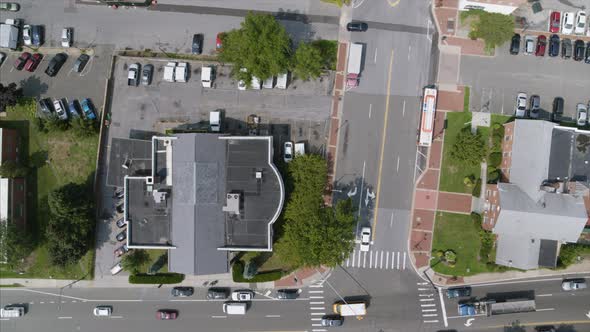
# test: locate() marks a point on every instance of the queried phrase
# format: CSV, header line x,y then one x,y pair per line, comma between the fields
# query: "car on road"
x,y
133,75
219,41
529,44
567,26
102,311
81,62
357,26
122,236
146,74
9,6
242,295
74,108
554,22
182,291
580,27
288,151
60,109
217,293
55,64
541,45
20,62
455,292
45,106
581,115
566,48
166,314
121,223
520,107
554,46
33,62
288,294
587,60
365,238
535,106
37,35
573,284
122,250
27,32
66,37
241,82
2,58
515,44
332,321
579,50
88,109
557,111
197,47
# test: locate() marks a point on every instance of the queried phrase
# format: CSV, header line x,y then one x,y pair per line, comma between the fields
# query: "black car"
x,y
55,64
121,223
146,74
557,109
332,320
458,292
288,294
119,193
579,50
197,43
120,208
81,62
37,35
554,46
122,236
217,293
587,60
45,106
515,44
357,26
182,291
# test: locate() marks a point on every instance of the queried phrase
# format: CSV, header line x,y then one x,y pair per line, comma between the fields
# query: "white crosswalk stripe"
x,y
426,299
378,259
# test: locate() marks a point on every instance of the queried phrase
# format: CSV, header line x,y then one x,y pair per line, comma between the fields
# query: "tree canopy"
x,y
12,169
261,45
134,260
468,148
494,28
15,243
308,62
9,95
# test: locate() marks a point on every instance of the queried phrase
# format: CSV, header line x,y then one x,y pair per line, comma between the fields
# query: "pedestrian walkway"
x,y
377,259
317,305
427,298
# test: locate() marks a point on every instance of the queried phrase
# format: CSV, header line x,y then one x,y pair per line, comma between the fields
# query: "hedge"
x,y
238,274
477,188
159,278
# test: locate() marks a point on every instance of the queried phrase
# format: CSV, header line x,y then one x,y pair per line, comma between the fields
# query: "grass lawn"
x,y
155,255
466,97
61,158
457,232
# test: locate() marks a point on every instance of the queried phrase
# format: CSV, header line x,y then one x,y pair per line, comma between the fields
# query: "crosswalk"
x,y
317,305
377,259
427,300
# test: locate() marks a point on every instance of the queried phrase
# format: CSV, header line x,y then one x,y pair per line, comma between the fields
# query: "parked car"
x,y
121,236
45,106
120,208
288,294
520,107
573,284
119,193
21,61
458,292
579,50
567,27
165,314
122,250
9,6
102,311
242,83
219,41
554,22
60,110
37,35
332,320
535,106
587,60
515,44
197,47
357,26
66,37
581,115
541,45
217,293
580,27
133,74
566,48
27,33
182,291
117,268
81,62
365,238
242,295
121,223
529,44
33,62
74,108
2,58
88,109
557,111
146,74
55,64
288,151
554,46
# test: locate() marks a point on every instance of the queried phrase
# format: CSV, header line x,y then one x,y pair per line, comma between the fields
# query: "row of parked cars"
x,y
34,35
538,46
567,23
30,62
534,107
65,109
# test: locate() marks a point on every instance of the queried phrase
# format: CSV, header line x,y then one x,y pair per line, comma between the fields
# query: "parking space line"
x,y
392,260
316,291
397,266
370,259
353,257
404,265
387,261
364,258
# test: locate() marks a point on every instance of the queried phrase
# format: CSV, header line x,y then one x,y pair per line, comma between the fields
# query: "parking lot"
x,y
495,81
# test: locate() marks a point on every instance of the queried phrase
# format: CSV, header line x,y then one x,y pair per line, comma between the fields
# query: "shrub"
x,y
570,252
476,218
469,180
487,244
493,176
238,272
495,159
160,278
450,257
477,188
468,148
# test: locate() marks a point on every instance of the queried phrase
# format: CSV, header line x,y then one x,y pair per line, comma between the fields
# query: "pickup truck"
x,y
133,76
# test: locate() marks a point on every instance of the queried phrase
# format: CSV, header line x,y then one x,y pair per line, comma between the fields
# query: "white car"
x,y
59,108
580,23
581,115
103,311
66,37
567,27
241,83
529,44
242,295
255,83
365,238
27,35
573,284
520,107
288,151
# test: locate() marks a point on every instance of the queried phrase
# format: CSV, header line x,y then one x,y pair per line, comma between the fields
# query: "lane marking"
x,y
391,220
397,266
273,316
3,318
429,315
546,309
316,324
453,317
425,300
409,52
404,109
397,167
384,135
370,110
316,297
364,259
443,308
404,265
523,281
63,317
381,261
358,263
318,313
116,316
393,3
392,260
428,310
370,259
318,308
428,305
318,302
545,295
315,319
430,321
387,261
375,59
218,316
353,257
427,295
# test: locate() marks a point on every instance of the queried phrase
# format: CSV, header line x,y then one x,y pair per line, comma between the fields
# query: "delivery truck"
x,y
355,55
350,308
9,31
491,307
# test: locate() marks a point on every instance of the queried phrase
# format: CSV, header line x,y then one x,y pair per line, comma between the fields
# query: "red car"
x,y
22,60
166,314
541,45
555,22
33,62
219,40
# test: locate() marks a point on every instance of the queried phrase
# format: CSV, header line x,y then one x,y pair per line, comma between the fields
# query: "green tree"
x,y
53,123
261,45
494,28
250,270
468,148
12,169
134,260
84,127
16,243
308,62
9,95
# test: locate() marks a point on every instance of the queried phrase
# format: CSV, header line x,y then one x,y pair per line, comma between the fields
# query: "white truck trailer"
x,y
357,308
9,34
355,55
169,71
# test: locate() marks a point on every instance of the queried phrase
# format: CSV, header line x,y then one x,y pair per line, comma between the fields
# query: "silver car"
x,y
59,108
573,284
520,107
581,115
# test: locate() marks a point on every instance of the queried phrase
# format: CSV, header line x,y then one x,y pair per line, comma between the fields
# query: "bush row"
x,y
159,278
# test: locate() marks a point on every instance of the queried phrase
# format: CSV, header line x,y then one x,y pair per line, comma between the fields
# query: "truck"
x,y
12,311
133,75
355,54
299,149
215,121
9,32
489,308
350,308
169,71
206,76
181,72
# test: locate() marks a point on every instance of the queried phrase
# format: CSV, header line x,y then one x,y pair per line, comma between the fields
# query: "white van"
x,y
255,83
206,76
215,121
103,311
169,71
235,308
269,83
282,81
12,311
299,149
116,269
181,72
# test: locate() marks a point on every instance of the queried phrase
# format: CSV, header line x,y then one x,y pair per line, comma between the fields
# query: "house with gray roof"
x,y
539,205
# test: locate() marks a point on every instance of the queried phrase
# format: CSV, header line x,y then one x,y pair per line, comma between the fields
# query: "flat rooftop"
x,y
137,153
570,155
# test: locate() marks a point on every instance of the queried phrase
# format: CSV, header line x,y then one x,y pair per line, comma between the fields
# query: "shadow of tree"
x,y
33,87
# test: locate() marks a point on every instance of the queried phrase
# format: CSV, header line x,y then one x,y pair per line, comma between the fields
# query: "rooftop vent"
x,y
159,196
232,204
258,175
127,163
